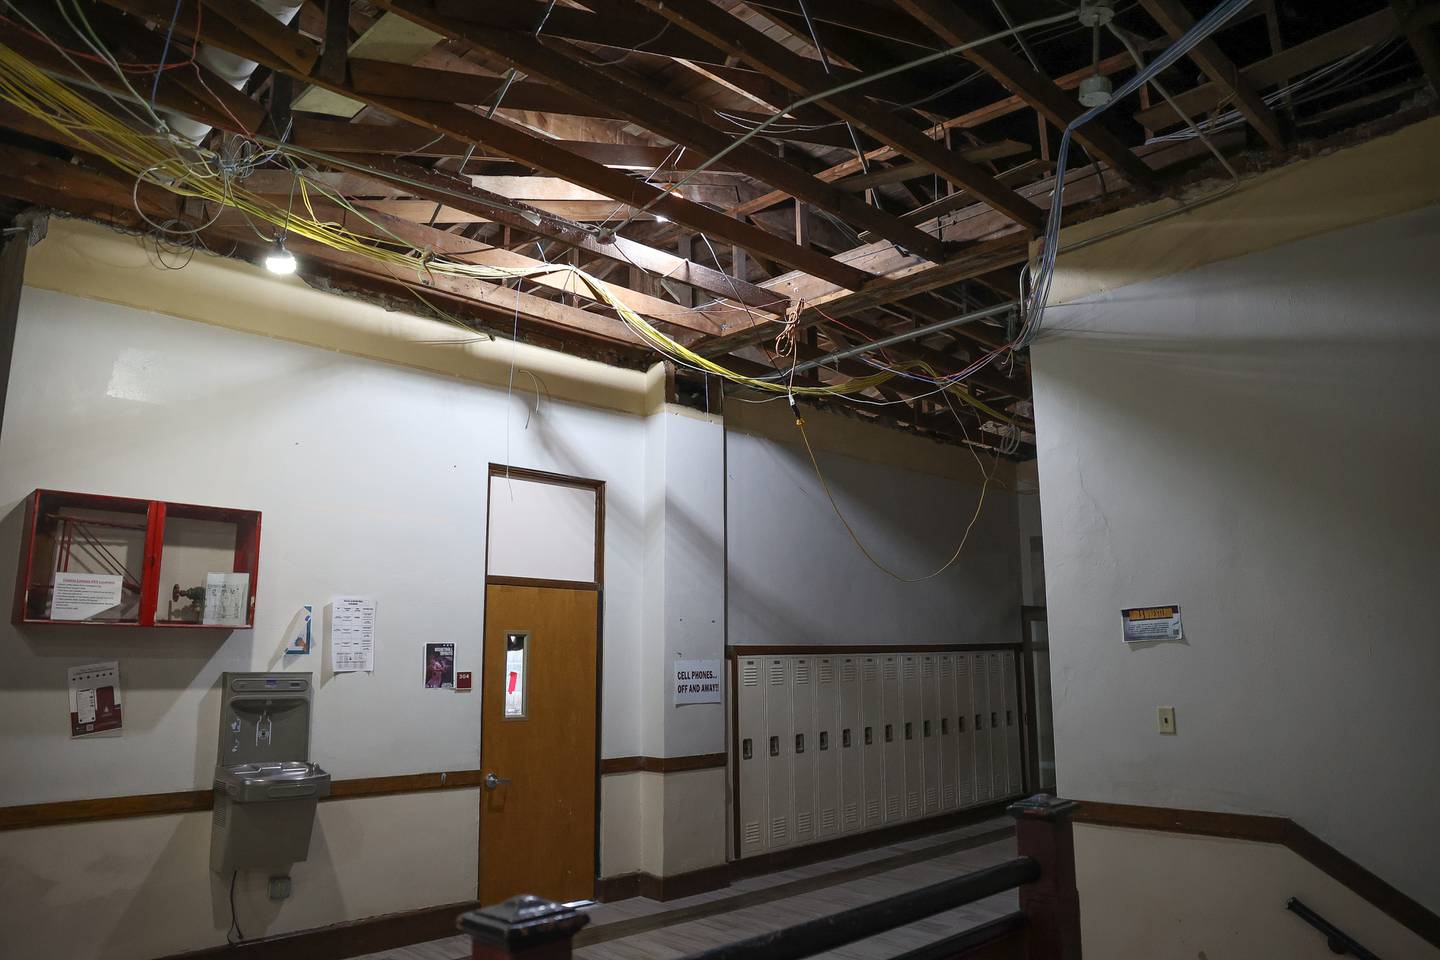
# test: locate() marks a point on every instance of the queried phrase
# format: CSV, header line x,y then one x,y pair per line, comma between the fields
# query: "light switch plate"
x,y
1166,719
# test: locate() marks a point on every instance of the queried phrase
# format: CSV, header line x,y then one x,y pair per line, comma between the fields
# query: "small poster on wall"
x,y
94,698
439,666
298,641
1152,624
697,681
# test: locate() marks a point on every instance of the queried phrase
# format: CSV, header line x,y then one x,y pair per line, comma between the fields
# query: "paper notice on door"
x,y
80,596
225,599
352,634
94,698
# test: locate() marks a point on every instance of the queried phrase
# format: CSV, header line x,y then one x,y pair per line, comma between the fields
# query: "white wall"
x,y
795,577
371,479
1256,441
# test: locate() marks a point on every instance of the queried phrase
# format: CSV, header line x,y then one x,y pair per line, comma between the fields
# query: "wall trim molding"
x,y
347,939
1402,909
703,761
846,649
55,813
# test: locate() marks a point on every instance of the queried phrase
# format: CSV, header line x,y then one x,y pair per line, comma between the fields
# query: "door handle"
x,y
492,781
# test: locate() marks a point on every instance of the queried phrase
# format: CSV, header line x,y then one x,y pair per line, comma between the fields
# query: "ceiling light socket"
x,y
1096,13
1095,91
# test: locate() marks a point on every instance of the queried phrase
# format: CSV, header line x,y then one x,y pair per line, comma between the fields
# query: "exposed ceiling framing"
x,y
514,135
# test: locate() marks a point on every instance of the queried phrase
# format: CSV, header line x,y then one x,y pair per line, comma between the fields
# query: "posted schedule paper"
x,y
352,634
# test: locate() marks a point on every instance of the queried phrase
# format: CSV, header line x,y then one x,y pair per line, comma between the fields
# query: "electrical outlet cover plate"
x,y
280,888
1166,719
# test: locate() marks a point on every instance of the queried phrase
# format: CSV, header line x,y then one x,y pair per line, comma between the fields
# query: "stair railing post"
x,y
1052,903
523,928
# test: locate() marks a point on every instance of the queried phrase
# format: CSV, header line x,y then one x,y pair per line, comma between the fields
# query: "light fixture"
x,y
661,218
280,260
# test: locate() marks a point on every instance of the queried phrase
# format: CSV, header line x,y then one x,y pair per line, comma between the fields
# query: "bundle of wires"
x,y
163,160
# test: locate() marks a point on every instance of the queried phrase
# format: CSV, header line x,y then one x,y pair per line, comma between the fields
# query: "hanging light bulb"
x,y
280,260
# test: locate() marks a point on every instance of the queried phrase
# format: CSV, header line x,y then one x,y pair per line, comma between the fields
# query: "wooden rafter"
x,y
1175,20
730,34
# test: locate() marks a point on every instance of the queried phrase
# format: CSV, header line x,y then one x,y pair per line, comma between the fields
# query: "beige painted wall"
x,y
662,824
142,887
1146,895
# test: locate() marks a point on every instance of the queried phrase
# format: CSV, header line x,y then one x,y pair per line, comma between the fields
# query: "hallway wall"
x,y
1254,440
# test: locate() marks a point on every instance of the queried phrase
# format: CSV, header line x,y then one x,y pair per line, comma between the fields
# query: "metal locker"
x,y
947,739
999,758
892,740
802,764
964,731
872,743
827,747
980,711
933,775
1014,726
849,745
912,704
750,708
779,825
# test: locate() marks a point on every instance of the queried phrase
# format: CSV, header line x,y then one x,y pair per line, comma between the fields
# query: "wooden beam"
x,y
1421,36
1176,20
560,64
470,127
337,40
297,51
801,76
1273,70
955,26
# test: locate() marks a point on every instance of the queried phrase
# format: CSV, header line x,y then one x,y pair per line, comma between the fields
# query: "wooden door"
x,y
537,831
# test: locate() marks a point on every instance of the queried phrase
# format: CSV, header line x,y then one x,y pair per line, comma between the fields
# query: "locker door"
x,y
750,705
827,748
892,737
930,732
850,746
872,743
999,759
1014,760
980,708
964,730
802,711
912,704
779,827
949,739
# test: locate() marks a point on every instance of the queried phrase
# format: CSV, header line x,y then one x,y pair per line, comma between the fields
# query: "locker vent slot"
x,y
947,668
750,674
892,806
870,671
912,802
847,671
930,797
827,671
927,667
872,810
852,812
777,672
779,830
949,795
910,668
802,671
892,669
751,834
827,820
803,823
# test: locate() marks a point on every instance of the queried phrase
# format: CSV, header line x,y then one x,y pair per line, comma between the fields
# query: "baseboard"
x,y
718,877
348,939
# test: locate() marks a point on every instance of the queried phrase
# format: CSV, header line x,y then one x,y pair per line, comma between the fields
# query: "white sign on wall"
x,y
696,681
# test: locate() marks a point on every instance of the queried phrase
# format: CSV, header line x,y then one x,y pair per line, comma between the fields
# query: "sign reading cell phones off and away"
x,y
1152,624
697,681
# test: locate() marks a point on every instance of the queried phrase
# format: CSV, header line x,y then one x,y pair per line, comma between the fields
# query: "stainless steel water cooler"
x,y
266,787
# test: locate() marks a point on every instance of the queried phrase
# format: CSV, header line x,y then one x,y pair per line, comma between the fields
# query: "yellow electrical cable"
x,y
157,160
984,486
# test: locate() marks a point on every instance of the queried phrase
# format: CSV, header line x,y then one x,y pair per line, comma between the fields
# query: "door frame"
x,y
1026,674
598,585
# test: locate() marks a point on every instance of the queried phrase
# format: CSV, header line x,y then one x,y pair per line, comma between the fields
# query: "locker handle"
x,y
799,743
774,746
824,740
1009,718
845,737
979,721
747,749
994,720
